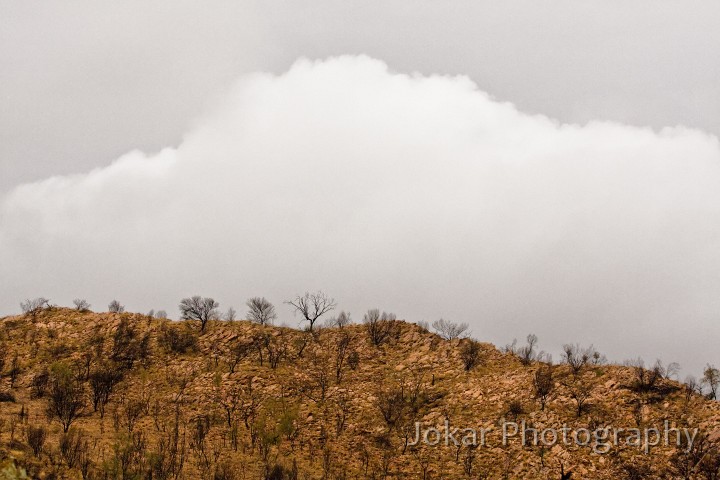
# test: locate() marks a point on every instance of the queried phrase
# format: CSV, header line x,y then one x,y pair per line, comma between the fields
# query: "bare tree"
x,y
200,309
74,448
261,311
66,399
115,307
312,306
711,378
102,383
528,353
237,352
577,357
230,314
161,314
342,320
342,349
34,306
36,437
691,387
380,328
15,370
81,305
581,392
646,379
449,330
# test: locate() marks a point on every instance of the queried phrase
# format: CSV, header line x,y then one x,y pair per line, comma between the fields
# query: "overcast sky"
x,y
547,167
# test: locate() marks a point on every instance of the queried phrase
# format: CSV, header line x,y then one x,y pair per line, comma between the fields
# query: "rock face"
x,y
148,398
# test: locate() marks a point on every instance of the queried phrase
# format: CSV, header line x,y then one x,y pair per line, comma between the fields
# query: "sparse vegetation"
x,y
380,327
116,307
543,384
199,309
32,307
470,354
81,305
449,330
261,311
122,395
312,306
711,378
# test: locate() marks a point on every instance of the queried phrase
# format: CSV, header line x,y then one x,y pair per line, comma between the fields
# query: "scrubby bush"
x,y
36,437
449,330
177,339
32,307
543,384
81,305
66,396
39,384
7,397
380,327
711,378
115,307
470,353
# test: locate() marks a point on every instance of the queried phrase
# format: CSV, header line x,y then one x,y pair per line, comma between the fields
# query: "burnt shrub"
x,y
39,384
177,339
36,437
7,397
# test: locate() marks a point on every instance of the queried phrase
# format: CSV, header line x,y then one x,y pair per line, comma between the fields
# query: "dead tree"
x,y
102,383
199,309
341,352
380,328
261,311
32,307
312,306
577,357
342,320
711,378
527,354
66,399
115,307
81,305
543,384
449,330
230,314
237,352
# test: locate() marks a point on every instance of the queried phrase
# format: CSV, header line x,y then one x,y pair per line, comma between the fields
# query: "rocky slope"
x,y
147,398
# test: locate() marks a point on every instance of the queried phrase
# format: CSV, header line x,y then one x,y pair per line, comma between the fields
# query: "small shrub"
x,y
380,327
36,437
353,360
7,397
34,306
177,339
81,305
116,307
39,383
515,408
470,354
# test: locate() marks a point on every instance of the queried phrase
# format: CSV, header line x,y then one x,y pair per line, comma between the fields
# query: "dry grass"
x,y
304,414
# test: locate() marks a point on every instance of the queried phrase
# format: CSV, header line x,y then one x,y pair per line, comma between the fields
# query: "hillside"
x,y
142,397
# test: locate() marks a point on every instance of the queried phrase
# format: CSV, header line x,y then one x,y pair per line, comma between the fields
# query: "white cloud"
x,y
417,194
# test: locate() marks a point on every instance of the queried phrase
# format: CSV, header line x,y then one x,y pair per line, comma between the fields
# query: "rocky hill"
x,y
127,396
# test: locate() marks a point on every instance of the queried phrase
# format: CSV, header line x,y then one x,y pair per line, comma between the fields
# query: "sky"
x,y
544,167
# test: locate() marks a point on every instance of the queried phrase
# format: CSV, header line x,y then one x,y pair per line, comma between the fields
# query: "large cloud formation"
x,y
420,195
